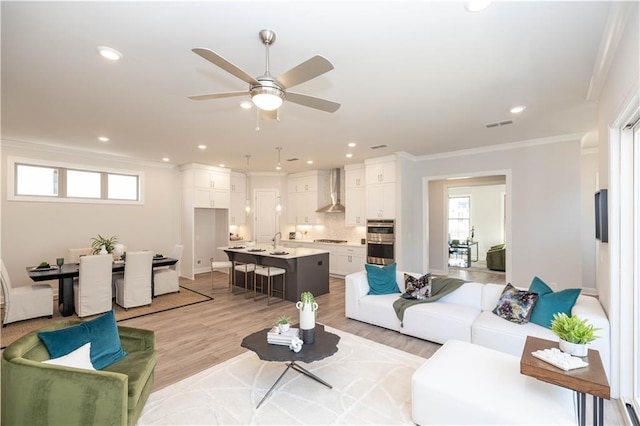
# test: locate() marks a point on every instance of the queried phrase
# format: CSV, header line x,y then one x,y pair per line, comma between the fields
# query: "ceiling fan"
x,y
267,92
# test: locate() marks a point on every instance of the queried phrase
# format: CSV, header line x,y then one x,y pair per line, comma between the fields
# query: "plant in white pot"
x,y
102,245
574,332
284,322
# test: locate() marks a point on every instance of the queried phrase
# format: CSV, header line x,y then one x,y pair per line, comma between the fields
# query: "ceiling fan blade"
x,y
217,95
312,102
218,60
305,71
268,115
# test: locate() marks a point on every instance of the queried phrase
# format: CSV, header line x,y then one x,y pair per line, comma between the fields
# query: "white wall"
x,y
543,178
37,231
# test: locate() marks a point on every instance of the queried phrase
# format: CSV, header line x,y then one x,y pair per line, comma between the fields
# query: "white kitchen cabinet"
x,y
381,188
211,198
382,172
346,260
306,192
381,201
355,195
206,186
237,213
355,206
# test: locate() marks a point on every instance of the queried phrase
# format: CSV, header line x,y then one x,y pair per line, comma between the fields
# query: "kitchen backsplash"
x,y
333,228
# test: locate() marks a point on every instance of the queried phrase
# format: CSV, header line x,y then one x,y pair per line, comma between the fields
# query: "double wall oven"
x,y
381,241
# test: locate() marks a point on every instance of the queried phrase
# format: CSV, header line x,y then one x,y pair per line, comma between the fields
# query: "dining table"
x,y
68,271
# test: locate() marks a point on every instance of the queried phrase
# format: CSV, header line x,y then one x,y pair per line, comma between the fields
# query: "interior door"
x,y
266,219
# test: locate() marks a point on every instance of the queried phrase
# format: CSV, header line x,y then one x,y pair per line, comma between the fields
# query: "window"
x,y
36,180
459,218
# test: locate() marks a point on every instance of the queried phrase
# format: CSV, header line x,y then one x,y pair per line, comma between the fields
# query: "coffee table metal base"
x,y
298,368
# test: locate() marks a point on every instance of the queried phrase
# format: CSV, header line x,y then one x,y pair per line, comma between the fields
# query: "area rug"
x,y
371,385
161,303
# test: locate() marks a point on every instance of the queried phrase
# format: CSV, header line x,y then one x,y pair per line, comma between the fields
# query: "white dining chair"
x,y
167,280
134,288
74,255
92,291
21,303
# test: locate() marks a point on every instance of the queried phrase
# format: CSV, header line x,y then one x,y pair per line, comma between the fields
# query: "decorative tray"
x,y
557,358
279,253
48,268
236,247
255,250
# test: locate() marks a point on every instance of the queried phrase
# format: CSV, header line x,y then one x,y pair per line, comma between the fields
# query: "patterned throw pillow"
x,y
515,305
417,288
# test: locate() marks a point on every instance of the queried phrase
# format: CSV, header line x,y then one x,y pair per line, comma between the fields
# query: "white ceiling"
x,y
422,77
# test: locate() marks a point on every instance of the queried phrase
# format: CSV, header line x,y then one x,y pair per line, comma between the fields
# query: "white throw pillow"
x,y
80,358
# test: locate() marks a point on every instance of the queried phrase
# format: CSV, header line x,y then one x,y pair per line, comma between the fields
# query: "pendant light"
x,y
247,202
279,166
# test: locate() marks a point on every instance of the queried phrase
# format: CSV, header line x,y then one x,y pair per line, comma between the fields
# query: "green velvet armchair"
x,y
496,257
34,393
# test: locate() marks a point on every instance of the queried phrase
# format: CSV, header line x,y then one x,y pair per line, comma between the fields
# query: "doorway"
x,y
265,217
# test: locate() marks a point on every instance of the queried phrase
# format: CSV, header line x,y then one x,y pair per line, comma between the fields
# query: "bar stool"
x,y
222,264
246,269
269,272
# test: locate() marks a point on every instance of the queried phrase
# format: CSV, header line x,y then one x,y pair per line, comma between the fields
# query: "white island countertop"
x,y
279,253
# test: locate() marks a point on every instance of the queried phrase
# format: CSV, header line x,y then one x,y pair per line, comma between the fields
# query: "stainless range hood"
x,y
334,188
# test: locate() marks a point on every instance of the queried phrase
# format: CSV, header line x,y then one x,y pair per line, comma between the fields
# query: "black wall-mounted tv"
x,y
602,218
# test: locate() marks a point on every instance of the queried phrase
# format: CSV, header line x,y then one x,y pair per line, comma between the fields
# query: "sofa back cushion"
x,y
468,294
490,296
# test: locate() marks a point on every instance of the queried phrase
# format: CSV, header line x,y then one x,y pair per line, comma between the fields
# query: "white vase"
x,y
574,349
103,250
283,328
307,320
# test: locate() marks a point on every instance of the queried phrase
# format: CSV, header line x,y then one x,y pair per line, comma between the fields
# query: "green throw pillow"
x,y
382,280
550,303
102,332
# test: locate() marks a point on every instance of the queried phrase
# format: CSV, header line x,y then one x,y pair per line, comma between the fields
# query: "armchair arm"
x,y
37,393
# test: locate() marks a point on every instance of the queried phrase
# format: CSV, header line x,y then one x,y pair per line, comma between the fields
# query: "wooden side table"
x,y
588,380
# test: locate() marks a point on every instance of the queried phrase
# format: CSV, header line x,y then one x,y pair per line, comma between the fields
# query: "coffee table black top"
x,y
325,345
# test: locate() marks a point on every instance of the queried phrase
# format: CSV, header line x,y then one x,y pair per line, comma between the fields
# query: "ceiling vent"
x,y
498,124
293,159
379,146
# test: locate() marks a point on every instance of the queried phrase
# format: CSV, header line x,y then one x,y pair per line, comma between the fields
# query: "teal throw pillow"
x,y
550,302
102,332
382,280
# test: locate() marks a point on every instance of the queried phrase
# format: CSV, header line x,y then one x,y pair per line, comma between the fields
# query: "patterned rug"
x,y
161,303
371,385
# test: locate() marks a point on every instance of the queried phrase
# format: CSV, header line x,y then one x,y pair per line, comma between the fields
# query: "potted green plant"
x,y
284,322
97,243
574,333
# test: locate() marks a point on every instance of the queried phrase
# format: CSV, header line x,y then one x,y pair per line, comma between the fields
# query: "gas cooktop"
x,y
326,240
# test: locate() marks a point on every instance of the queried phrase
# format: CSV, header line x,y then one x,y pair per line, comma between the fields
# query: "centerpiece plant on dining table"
x,y
98,242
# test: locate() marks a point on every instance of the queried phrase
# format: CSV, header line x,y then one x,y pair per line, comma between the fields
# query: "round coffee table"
x,y
325,345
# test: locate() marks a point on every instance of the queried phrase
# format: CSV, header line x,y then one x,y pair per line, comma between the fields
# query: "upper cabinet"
x,y
306,193
237,213
381,188
355,195
206,186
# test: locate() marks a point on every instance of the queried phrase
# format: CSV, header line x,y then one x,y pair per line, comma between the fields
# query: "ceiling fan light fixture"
x,y
267,98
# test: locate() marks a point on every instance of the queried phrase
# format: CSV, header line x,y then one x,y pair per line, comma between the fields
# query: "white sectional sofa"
x,y
465,314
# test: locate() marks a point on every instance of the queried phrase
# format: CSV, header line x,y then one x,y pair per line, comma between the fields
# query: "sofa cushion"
x,y
515,305
417,288
382,280
550,302
102,332
80,358
138,366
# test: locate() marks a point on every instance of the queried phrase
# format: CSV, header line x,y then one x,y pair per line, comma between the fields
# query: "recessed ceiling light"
x,y
246,105
109,53
518,109
351,144
309,161
477,5
349,155
165,158
202,146
103,139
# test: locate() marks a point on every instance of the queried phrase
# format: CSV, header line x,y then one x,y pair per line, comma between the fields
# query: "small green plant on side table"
x,y
574,333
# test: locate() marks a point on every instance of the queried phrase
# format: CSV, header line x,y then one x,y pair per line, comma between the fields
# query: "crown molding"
x,y
93,155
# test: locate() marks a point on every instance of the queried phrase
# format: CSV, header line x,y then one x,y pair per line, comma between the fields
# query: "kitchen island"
x,y
307,268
